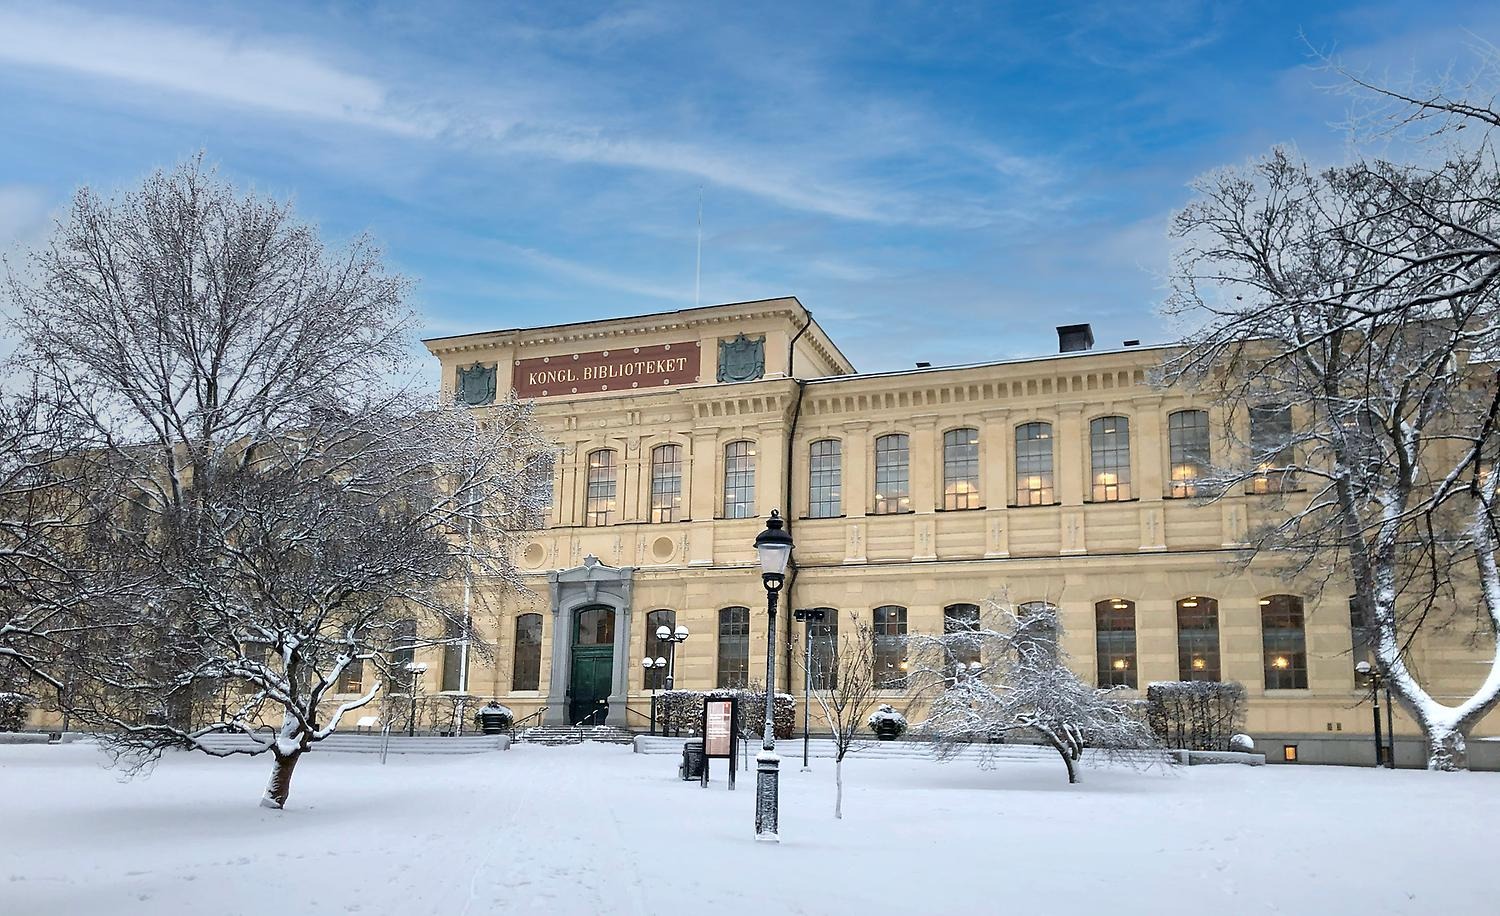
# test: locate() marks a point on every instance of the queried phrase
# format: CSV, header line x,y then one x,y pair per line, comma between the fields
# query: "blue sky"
x,y
941,183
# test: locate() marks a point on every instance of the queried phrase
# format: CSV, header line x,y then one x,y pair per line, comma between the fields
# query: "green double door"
x,y
593,665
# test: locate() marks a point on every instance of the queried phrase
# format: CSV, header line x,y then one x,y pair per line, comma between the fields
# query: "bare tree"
x,y
1346,320
1007,673
844,689
289,511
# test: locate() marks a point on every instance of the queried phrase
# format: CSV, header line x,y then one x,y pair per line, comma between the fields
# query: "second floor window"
x,y
825,495
892,474
600,507
1271,448
961,469
666,483
1187,441
1109,448
739,480
539,470
1034,464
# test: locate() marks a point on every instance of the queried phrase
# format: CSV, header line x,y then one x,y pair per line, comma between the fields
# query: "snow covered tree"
x,y
1345,319
1007,673
289,512
844,691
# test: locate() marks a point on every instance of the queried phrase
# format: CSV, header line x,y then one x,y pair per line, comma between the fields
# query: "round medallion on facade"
x,y
533,555
662,549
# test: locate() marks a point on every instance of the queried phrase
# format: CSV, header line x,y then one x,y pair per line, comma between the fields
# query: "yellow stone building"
x,y
913,496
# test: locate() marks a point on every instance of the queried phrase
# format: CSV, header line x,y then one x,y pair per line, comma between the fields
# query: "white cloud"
x,y
164,56
23,216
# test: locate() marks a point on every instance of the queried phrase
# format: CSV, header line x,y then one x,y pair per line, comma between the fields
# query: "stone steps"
x,y
554,735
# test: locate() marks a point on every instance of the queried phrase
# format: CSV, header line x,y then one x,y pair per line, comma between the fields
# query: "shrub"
x,y
1196,715
681,711
14,709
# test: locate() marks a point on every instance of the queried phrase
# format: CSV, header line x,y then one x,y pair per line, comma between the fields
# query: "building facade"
x,y
913,497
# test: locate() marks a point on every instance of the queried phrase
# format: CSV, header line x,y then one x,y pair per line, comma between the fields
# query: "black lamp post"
x,y
1377,680
774,550
808,616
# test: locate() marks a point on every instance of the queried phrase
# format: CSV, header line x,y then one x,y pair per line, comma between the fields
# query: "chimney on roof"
x,y
1074,338
1132,343
924,365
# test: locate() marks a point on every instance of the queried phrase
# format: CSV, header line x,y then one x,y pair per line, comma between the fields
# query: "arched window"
x,y
1187,445
961,469
594,626
892,474
1034,464
959,619
823,636
739,480
1197,639
734,647
600,508
1109,448
890,646
526,670
1271,448
1285,642
539,472
1037,630
1114,640
656,678
825,485
666,483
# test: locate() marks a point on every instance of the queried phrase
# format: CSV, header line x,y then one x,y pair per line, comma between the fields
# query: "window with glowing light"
x,y
890,647
1197,639
1109,449
1114,642
1187,442
961,469
892,474
1034,464
1271,449
1285,642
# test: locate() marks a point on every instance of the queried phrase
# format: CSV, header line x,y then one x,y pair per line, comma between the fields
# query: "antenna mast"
x,y
698,266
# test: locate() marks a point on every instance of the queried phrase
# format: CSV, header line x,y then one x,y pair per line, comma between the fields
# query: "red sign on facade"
x,y
624,369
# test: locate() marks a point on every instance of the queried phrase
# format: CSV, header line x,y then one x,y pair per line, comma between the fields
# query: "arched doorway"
x,y
592,664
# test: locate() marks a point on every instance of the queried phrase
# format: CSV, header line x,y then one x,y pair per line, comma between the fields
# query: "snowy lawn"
x,y
597,829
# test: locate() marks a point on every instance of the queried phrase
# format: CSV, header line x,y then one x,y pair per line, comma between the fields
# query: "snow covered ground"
x,y
598,829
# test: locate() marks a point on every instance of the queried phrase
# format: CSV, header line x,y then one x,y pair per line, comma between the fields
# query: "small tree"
x,y
843,687
1006,673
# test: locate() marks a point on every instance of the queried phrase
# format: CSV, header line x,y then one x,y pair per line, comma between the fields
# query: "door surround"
x,y
590,585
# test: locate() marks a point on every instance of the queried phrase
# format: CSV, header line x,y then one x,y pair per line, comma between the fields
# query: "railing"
x,y
650,724
590,720
516,726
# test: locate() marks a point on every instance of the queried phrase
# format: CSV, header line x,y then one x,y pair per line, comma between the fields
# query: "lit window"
x,y
1271,449
1034,464
600,509
961,469
1109,446
825,479
526,671
739,480
959,619
1187,439
1114,635
1284,642
666,483
892,474
1197,639
734,647
351,679
890,647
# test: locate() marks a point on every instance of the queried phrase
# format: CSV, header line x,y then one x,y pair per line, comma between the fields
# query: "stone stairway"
x,y
553,735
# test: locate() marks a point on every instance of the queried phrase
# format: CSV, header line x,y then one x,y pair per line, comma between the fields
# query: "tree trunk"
x,y
1447,750
1069,763
280,785
838,788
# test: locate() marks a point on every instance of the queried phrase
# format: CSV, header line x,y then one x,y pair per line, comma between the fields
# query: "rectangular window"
x,y
734,647
1361,634
961,469
656,675
600,508
1034,464
1114,634
539,472
526,671
454,636
352,678
1109,447
666,483
825,497
1284,641
1271,448
890,647
1197,639
1187,441
823,636
959,619
739,480
892,475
